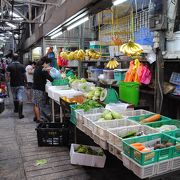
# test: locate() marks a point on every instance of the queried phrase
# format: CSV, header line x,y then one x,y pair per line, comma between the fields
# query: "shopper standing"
x,y
40,77
29,74
17,82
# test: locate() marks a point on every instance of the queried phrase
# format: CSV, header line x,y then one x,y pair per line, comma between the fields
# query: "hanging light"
x,y
117,2
56,35
11,25
83,20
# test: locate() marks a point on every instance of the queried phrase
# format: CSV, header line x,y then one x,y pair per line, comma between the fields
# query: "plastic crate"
x,y
100,141
140,171
167,122
154,155
175,135
60,82
88,131
175,163
52,134
111,148
141,117
138,112
115,134
163,166
119,74
87,159
73,118
100,128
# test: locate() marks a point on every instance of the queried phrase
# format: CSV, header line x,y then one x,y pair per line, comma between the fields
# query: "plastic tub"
x,y
129,92
108,74
177,41
95,73
119,74
170,45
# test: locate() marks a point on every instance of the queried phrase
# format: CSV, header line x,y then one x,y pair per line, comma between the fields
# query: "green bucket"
x,y
129,92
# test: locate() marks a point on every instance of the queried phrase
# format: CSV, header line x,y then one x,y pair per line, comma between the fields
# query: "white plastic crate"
x,y
163,166
86,159
100,141
88,132
138,112
140,171
101,127
111,148
114,135
175,163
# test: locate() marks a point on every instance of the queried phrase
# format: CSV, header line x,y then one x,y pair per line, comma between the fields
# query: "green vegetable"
x,y
88,150
130,134
88,105
116,115
108,116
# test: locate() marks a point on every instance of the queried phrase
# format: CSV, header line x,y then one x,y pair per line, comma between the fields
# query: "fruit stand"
x,y
146,143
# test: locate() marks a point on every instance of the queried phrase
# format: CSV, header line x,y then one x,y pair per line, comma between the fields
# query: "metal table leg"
x,y
53,119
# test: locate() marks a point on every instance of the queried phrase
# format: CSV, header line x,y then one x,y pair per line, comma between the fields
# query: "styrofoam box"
x,y
101,127
175,163
114,135
86,159
135,113
100,141
140,171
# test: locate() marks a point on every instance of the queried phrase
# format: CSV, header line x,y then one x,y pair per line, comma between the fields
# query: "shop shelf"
x,y
152,156
52,134
158,124
100,128
141,117
116,134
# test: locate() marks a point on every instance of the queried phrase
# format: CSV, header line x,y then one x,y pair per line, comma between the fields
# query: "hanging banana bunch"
x,y
131,49
112,64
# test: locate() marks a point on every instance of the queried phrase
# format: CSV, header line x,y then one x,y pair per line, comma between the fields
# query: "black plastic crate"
x,y
52,134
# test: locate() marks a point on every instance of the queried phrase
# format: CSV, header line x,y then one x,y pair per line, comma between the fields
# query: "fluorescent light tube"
x,y
11,25
83,20
117,2
56,35
55,32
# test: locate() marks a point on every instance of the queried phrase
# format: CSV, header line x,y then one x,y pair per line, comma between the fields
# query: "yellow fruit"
x,y
64,55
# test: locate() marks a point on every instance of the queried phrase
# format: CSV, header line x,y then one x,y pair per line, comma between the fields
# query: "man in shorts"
x,y
29,74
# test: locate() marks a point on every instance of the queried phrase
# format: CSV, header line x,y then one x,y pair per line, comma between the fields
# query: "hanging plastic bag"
x,y
144,74
129,77
55,74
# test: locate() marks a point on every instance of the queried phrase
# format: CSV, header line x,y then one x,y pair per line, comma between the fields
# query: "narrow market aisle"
x,y
19,151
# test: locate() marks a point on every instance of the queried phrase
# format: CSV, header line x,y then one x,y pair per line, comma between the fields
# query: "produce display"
x,y
112,64
88,150
131,49
88,105
132,134
110,115
167,128
80,54
94,93
76,99
152,118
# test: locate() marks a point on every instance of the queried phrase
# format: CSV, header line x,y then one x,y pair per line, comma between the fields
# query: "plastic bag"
x,y
55,74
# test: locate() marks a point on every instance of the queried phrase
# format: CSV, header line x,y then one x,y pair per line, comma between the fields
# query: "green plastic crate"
x,y
141,117
176,135
166,122
129,92
73,114
148,157
60,82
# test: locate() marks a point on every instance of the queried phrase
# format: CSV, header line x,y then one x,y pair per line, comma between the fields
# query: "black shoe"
x,y
20,110
35,119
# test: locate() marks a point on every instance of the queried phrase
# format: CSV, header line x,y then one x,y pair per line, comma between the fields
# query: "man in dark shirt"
x,y
17,82
40,77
